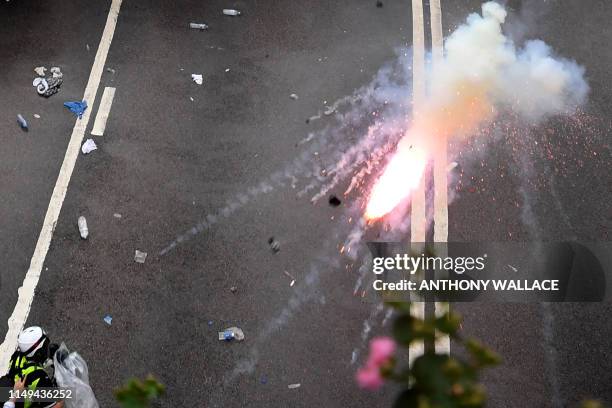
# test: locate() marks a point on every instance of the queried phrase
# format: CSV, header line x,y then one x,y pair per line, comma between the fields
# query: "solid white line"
x,y
442,345
103,111
26,291
417,220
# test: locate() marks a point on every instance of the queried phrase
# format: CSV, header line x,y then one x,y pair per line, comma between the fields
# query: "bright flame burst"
x,y
401,176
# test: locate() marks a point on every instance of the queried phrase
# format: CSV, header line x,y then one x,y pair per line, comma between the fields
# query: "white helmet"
x,y
31,340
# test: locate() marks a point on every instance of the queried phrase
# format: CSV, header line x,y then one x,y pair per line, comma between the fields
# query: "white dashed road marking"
x,y
103,111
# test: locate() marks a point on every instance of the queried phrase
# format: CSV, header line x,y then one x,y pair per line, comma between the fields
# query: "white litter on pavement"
x,y
197,78
89,146
41,85
37,116
57,72
40,71
294,97
140,257
231,12
293,386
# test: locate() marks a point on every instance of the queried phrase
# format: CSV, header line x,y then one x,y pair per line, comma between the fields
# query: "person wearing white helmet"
x,y
28,367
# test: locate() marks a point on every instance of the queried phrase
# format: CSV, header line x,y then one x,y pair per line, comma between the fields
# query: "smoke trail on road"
x,y
382,107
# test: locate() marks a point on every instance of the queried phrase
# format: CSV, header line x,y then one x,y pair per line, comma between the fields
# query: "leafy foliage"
x,y
438,380
139,394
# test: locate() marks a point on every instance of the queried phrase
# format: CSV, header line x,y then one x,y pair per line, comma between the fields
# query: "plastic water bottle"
x,y
22,122
198,26
231,12
83,230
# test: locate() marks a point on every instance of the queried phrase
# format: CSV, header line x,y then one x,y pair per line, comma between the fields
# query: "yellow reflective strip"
x,y
28,370
32,387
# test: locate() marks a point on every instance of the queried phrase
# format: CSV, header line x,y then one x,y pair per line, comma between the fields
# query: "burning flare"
x,y
402,175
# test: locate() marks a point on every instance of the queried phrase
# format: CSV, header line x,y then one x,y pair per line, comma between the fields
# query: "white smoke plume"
x,y
529,80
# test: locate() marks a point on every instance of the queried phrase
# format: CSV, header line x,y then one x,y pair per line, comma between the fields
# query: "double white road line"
x,y
418,217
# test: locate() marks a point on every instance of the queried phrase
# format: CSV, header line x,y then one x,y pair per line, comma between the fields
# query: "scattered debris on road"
x,y
78,108
231,12
40,71
197,78
379,4
227,70
334,201
198,26
274,244
108,319
117,215
233,289
231,333
210,323
89,146
22,122
292,278
87,46
313,118
294,386
264,379
47,85
83,230
294,96
140,257
56,72
513,268
37,116
111,70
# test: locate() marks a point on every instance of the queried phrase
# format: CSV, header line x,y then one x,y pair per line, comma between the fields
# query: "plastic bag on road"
x,y
71,372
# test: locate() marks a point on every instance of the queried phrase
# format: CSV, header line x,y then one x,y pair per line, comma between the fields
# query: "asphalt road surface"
x,y
175,152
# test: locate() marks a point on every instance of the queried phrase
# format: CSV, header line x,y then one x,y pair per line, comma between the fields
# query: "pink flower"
x,y
381,351
369,378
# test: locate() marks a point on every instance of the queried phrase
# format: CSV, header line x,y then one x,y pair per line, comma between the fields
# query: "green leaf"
x,y
430,376
455,369
411,399
482,355
591,404
473,397
402,329
448,323
139,394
